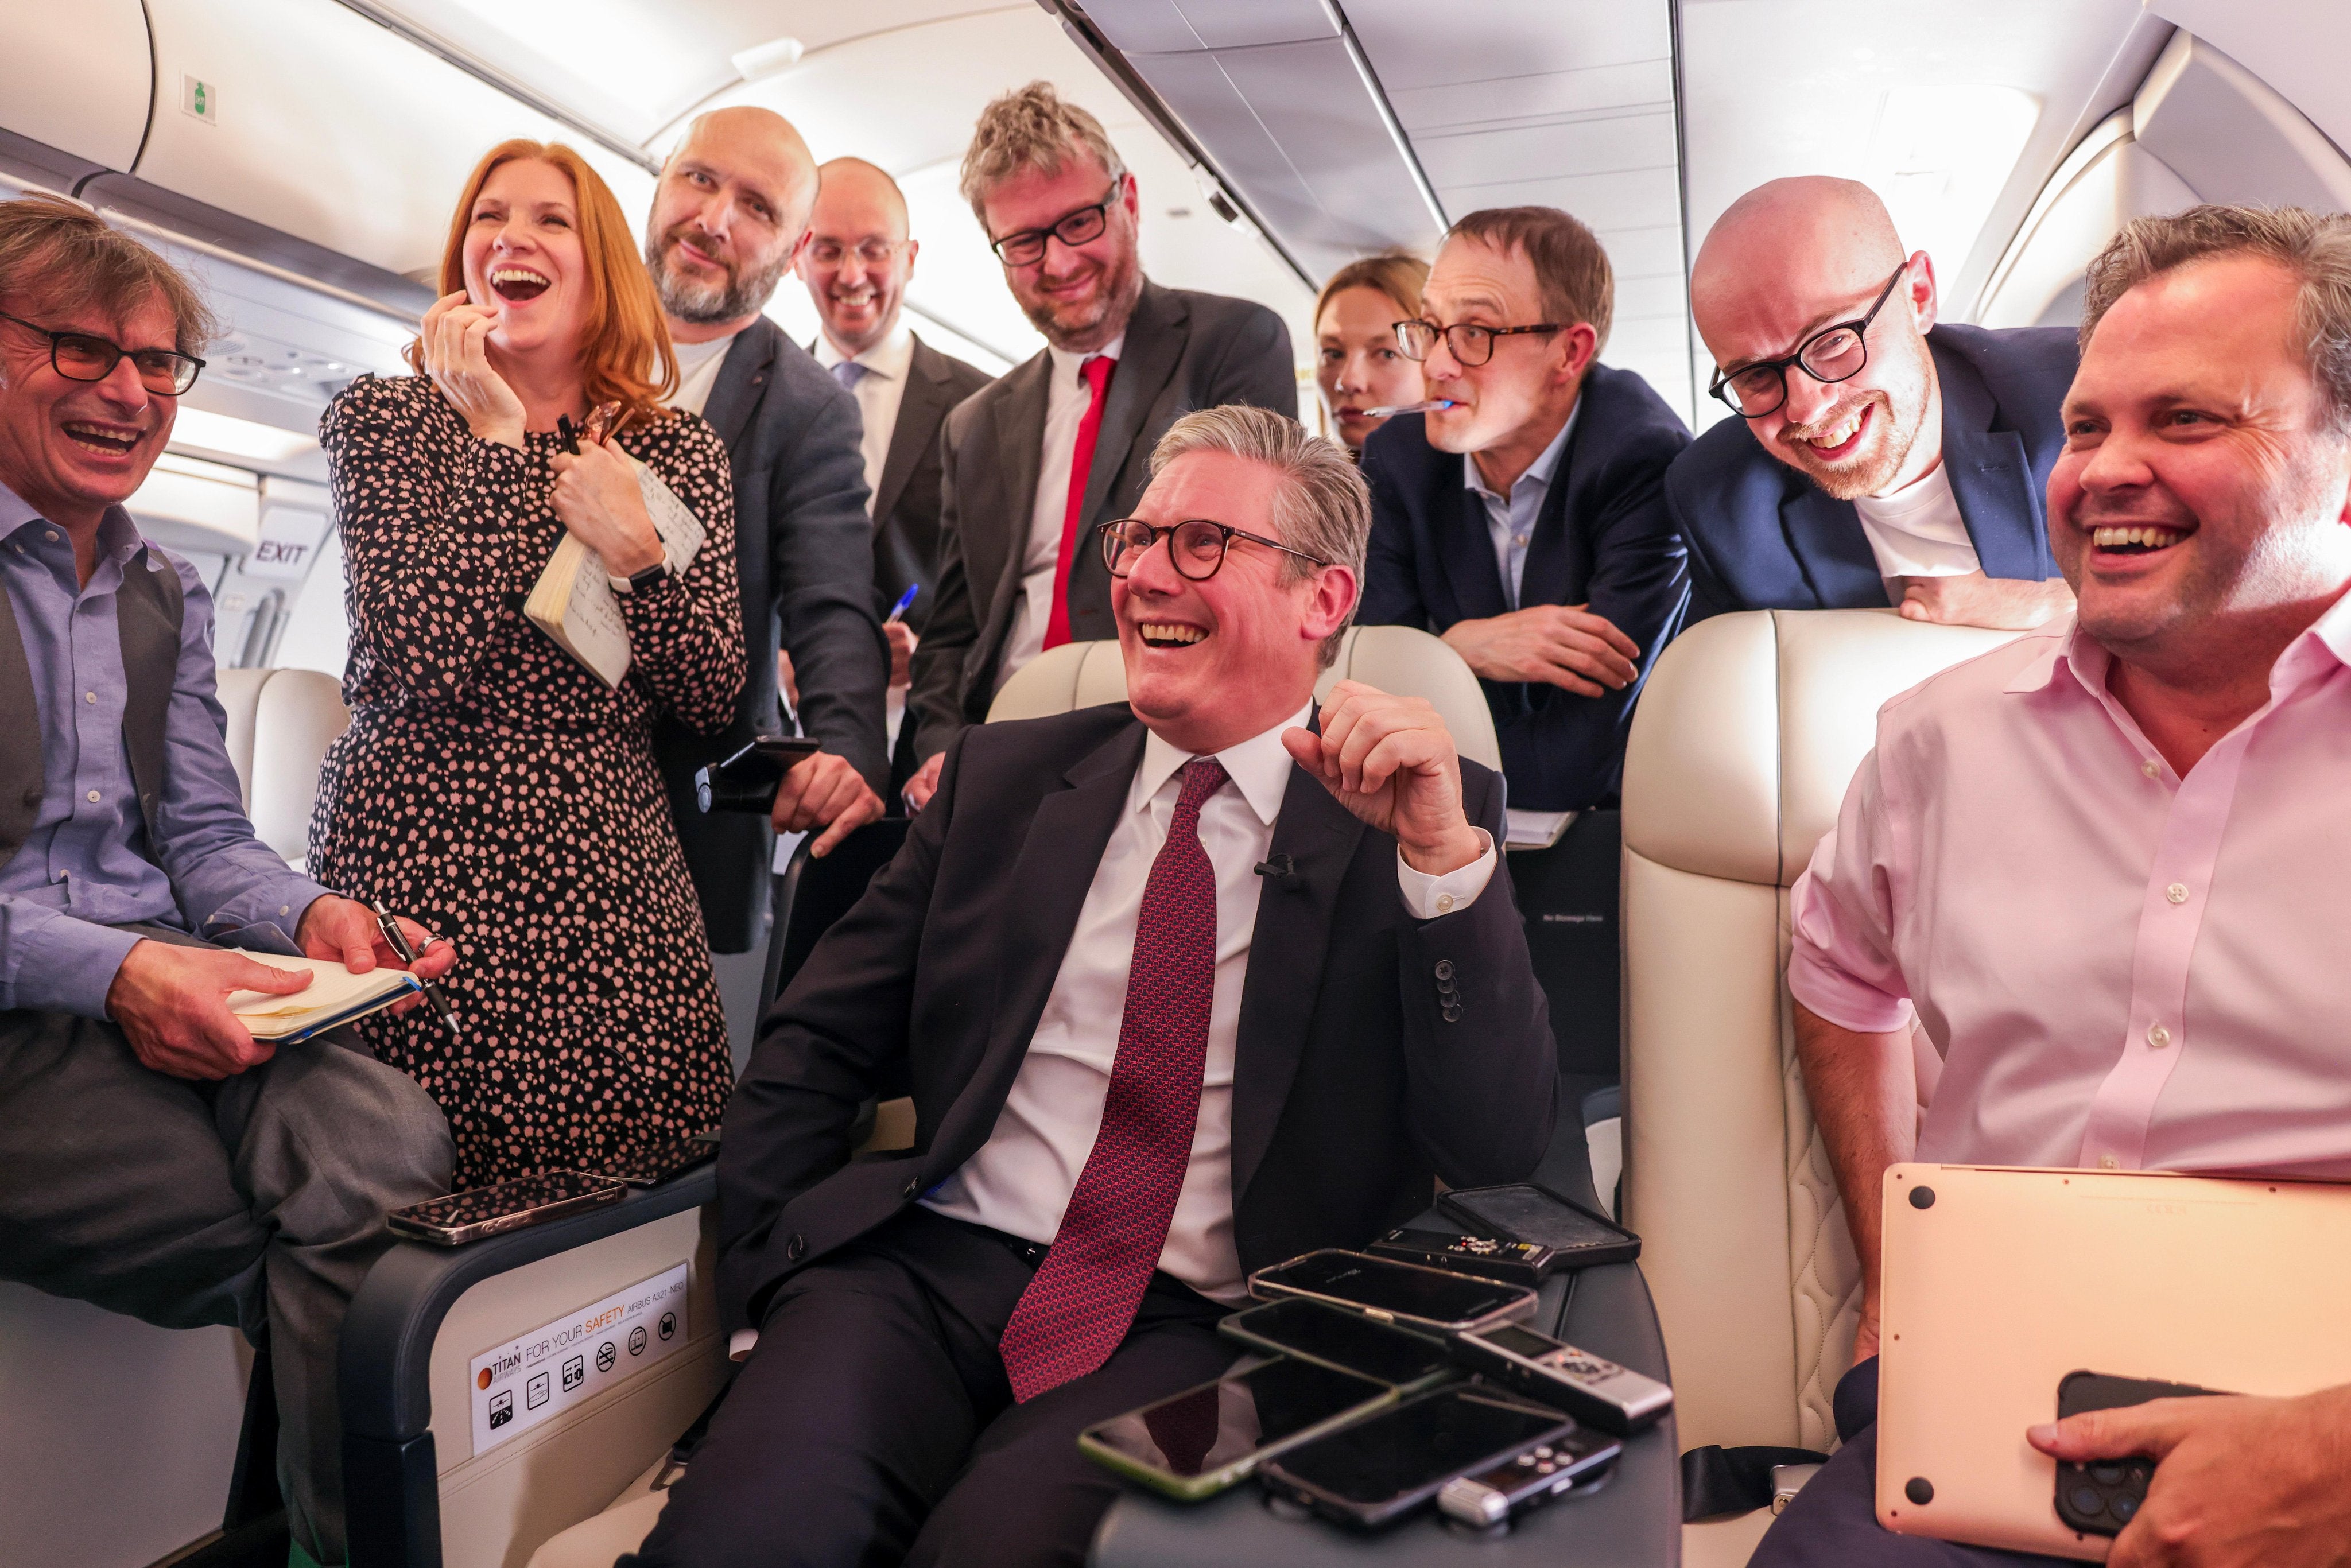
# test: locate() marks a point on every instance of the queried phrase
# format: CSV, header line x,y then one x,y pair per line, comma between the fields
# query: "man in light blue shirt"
x,y
161,1162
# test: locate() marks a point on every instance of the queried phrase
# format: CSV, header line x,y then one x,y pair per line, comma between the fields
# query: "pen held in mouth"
x,y
1429,407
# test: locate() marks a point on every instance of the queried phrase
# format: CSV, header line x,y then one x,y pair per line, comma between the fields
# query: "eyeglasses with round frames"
x,y
1470,345
1195,547
1027,246
86,357
1832,354
874,253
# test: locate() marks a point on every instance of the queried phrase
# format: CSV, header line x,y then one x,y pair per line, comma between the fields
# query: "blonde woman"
x,y
1358,363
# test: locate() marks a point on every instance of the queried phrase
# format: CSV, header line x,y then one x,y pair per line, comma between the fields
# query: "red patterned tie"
x,y
1082,464
1082,1298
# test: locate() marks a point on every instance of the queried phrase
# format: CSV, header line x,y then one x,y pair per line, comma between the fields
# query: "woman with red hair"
x,y
489,781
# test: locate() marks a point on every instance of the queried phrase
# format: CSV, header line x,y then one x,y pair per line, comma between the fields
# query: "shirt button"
x,y
51,536
93,797
1520,540
285,909
2158,1037
90,696
2152,770
1444,904
2108,1163
2177,892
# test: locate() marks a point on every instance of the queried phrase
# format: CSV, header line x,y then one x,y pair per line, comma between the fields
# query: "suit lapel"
x,y
1156,336
919,407
1464,550
1826,538
1991,477
1558,559
743,380
1286,953
1048,883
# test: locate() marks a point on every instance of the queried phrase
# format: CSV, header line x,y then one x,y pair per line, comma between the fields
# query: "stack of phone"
x,y
1521,1233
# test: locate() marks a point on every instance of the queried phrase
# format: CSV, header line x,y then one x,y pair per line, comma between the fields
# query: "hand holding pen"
x,y
901,637
398,938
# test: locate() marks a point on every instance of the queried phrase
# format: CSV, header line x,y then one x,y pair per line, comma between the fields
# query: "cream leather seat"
x,y
1746,738
280,723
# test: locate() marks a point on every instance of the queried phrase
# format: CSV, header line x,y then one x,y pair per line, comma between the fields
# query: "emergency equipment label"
x,y
548,1370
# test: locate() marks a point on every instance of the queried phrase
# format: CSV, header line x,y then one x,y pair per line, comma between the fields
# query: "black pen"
x,y
399,940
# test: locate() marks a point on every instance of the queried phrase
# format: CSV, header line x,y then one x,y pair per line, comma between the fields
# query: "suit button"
x,y
1452,1012
914,1185
1445,968
794,1248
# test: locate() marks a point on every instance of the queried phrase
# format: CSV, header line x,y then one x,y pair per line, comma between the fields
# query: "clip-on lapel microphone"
x,y
1276,866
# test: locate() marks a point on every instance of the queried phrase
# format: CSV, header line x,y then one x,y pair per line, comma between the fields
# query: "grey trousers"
x,y
258,1200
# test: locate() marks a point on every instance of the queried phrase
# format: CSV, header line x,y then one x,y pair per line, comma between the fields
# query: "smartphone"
x,y
747,781
1348,1341
1194,1444
1523,1212
2101,1497
1377,1470
464,1217
655,1162
1606,1396
1521,1483
1512,1262
1395,1292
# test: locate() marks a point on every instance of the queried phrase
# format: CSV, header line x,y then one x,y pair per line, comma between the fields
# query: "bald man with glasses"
x,y
1880,457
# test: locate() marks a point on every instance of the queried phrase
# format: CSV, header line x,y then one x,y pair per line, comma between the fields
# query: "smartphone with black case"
x,y
1596,1392
1348,1341
1380,1469
1512,1262
1522,1211
2103,1496
1195,1444
747,781
1403,1294
464,1217
653,1163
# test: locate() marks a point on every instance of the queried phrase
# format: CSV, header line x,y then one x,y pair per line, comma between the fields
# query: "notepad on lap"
x,y
573,601
335,997
1535,830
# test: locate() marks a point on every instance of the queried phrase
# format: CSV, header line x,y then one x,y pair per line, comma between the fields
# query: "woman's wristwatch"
x,y
643,582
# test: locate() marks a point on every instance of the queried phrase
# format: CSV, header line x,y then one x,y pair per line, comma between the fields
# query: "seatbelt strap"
x,y
1717,1481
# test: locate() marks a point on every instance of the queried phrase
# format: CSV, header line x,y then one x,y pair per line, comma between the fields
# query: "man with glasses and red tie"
x,y
1185,986
1063,441
1522,517
1879,458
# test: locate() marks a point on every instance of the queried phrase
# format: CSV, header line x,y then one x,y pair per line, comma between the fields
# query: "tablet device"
x,y
1999,1283
1196,1443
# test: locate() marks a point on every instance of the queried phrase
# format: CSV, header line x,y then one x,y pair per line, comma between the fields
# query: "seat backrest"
x,y
1403,660
1747,735
280,723
812,893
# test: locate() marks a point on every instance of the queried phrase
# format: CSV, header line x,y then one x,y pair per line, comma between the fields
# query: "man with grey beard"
x,y
1879,458
730,213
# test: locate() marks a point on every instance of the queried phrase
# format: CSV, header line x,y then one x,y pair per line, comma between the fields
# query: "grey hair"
x,y
1032,127
2315,246
60,254
1320,504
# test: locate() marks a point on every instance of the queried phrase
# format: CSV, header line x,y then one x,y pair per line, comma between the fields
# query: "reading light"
x,y
771,58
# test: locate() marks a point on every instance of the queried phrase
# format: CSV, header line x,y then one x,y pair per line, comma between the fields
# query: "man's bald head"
x,y
732,204
859,255
1785,261
847,183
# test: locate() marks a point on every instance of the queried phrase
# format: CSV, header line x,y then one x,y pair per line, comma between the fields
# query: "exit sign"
x,y
199,98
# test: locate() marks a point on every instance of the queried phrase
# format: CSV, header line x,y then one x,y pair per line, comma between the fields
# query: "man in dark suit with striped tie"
x,y
1185,986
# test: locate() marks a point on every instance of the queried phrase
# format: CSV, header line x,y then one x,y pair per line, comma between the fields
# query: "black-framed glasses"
x,y
1831,354
1469,344
1195,547
86,357
1072,229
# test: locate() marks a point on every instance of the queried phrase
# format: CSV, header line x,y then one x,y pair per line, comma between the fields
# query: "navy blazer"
x,y
1603,536
1764,537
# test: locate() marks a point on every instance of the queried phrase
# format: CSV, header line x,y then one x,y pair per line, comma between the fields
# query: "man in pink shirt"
x,y
2103,865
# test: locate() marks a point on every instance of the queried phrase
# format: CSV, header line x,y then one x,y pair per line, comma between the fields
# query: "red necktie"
x,y
1082,1298
1082,462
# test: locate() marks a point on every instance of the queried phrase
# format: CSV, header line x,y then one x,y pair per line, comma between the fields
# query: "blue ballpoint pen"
x,y
905,599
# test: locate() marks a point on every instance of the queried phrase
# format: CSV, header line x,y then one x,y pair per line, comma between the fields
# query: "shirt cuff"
x,y
1429,897
68,965
739,1343
279,901
1840,998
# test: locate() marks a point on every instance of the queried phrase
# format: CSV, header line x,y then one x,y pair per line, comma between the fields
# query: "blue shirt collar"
x,y
117,536
1539,473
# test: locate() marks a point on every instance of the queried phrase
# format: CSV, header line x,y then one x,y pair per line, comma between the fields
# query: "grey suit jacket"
x,y
1184,352
906,501
803,549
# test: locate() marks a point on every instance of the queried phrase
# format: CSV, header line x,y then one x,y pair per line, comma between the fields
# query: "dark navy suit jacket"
x,y
1603,536
1761,535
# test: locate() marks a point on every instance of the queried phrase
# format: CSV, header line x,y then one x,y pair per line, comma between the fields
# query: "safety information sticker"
x,y
550,1369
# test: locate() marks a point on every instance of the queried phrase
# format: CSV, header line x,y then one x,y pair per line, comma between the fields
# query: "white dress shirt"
x,y
1917,531
879,391
1510,520
1020,1180
1067,398
698,365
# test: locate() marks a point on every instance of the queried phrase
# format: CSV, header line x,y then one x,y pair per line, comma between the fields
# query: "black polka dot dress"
x,y
493,788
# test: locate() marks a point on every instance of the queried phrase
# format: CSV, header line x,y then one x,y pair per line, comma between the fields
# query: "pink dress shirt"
x,y
2120,969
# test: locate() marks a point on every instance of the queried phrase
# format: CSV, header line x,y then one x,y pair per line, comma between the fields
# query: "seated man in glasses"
x,y
1525,522
160,1161
1064,442
1879,458
1185,987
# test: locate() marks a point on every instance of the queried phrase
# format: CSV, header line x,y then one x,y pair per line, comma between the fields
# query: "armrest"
x,y
384,1360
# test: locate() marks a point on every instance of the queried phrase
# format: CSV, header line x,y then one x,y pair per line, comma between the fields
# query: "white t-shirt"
x,y
1917,531
698,365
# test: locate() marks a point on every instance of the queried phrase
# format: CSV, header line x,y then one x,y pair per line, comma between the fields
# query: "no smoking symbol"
x,y
605,1356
